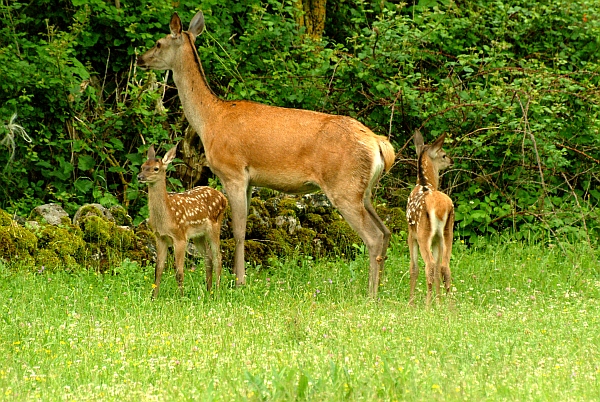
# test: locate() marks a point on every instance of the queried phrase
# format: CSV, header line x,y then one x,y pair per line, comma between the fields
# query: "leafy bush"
x,y
514,83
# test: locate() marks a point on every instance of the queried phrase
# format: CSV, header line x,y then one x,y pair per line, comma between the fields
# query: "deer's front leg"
x,y
239,202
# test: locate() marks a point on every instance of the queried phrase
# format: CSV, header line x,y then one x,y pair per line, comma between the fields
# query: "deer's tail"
x,y
387,153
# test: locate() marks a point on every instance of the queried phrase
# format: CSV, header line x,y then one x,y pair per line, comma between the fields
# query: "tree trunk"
x,y
311,14
194,170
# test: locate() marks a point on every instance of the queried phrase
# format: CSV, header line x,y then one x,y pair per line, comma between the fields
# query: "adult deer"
x,y
430,216
290,150
175,218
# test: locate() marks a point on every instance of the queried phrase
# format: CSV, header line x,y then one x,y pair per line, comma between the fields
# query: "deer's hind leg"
x,y
387,234
360,219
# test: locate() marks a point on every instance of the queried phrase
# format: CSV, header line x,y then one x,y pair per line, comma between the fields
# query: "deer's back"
x,y
427,209
291,150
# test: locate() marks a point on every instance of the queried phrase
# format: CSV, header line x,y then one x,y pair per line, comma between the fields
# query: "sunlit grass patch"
x,y
522,325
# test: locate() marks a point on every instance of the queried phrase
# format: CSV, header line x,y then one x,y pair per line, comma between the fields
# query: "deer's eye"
x,y
158,45
156,169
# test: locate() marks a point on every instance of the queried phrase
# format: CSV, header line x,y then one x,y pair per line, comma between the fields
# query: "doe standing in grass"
x,y
290,150
430,216
175,218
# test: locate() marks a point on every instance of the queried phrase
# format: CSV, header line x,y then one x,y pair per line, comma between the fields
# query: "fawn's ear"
x,y
438,144
169,156
419,142
151,153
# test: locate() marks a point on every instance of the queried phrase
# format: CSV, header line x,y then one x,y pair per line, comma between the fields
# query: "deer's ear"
x,y
169,156
175,25
439,143
197,24
151,153
419,142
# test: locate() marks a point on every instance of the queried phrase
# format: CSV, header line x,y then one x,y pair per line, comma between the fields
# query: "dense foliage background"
x,y
514,84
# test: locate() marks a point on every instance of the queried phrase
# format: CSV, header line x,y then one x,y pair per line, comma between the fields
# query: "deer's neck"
x,y
197,99
427,175
158,204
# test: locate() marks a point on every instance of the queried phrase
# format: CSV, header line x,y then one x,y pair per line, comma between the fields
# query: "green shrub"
x,y
513,83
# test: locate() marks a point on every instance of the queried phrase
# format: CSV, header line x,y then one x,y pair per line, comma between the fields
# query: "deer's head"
x,y
165,52
154,169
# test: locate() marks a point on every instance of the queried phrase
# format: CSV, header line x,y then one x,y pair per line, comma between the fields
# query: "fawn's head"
x,y
154,169
164,53
433,151
432,159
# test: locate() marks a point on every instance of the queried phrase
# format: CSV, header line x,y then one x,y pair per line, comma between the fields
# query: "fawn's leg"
x,y
413,247
213,247
448,236
162,247
180,249
200,243
437,248
430,265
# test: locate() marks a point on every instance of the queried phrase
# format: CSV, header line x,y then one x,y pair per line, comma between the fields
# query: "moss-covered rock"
x,y
93,210
288,206
16,242
277,226
8,248
340,238
5,218
98,243
284,225
96,230
257,252
65,242
51,214
109,244
47,259
393,217
120,215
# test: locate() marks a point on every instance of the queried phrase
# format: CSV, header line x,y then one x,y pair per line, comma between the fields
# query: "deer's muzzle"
x,y
140,62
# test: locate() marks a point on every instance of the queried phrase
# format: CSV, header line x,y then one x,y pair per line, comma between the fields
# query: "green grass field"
x,y
523,325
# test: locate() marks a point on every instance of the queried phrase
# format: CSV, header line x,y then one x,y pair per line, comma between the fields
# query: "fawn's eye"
x,y
156,169
158,45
